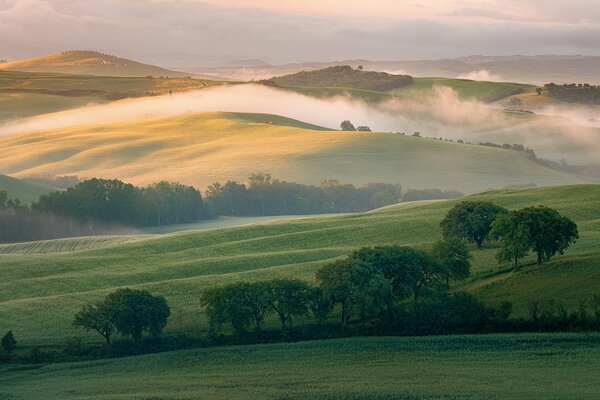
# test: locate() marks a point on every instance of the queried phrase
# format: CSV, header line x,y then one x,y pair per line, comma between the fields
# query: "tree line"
x,y
391,289
574,92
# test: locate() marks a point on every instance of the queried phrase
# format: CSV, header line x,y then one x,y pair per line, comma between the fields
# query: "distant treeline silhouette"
x,y
575,92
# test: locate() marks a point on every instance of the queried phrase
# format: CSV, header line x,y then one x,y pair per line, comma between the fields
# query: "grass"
x,y
466,89
200,149
27,94
559,366
22,190
40,292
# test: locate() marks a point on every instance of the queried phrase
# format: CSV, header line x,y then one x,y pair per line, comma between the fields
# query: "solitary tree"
x,y
99,317
540,229
347,126
9,343
539,91
454,254
356,286
471,220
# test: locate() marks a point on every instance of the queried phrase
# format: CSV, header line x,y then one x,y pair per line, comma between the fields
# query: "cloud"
x,y
154,30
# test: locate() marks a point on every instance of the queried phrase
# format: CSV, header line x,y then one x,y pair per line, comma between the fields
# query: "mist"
x,y
561,133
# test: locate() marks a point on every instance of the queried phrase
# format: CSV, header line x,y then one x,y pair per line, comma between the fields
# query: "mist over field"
x,y
559,132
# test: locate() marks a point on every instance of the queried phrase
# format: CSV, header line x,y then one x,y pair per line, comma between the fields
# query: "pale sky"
x,y
201,32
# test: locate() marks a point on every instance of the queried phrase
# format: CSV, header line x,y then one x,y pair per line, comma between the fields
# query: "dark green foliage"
x,y
9,344
137,311
112,201
539,229
264,195
573,92
129,311
100,317
347,126
409,271
289,298
454,255
471,220
356,286
344,77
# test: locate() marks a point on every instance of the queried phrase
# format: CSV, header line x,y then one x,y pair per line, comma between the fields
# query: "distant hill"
x,y
203,148
344,76
530,69
89,63
24,191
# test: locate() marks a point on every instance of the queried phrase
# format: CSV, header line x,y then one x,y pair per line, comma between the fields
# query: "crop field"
x,y
557,366
39,293
203,148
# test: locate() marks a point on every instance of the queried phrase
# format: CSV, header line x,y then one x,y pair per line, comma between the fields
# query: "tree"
x,y
9,344
356,286
238,304
516,102
513,236
99,317
471,220
409,271
539,91
363,128
540,229
454,254
347,126
138,311
289,298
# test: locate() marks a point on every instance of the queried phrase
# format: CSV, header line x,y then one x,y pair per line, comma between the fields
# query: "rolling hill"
x,y
27,94
24,191
202,148
86,62
378,86
40,291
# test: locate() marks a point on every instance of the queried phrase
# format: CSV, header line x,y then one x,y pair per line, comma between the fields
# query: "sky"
x,y
197,33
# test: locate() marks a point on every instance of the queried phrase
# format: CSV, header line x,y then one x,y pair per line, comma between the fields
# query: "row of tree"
x,y
540,229
578,93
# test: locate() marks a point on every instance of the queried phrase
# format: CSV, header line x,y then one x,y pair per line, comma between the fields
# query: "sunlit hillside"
x,y
88,63
199,149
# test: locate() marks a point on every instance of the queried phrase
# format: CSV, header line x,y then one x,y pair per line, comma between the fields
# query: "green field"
x,y
22,190
202,148
40,292
559,366
466,89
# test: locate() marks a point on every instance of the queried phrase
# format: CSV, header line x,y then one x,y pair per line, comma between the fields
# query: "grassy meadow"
x,y
202,148
40,291
558,366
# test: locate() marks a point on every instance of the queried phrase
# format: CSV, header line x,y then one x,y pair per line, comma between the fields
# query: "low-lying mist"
x,y
569,133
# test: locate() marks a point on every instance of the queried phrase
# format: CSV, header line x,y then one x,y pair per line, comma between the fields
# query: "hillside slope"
x,y
200,149
89,63
24,191
40,292
27,94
